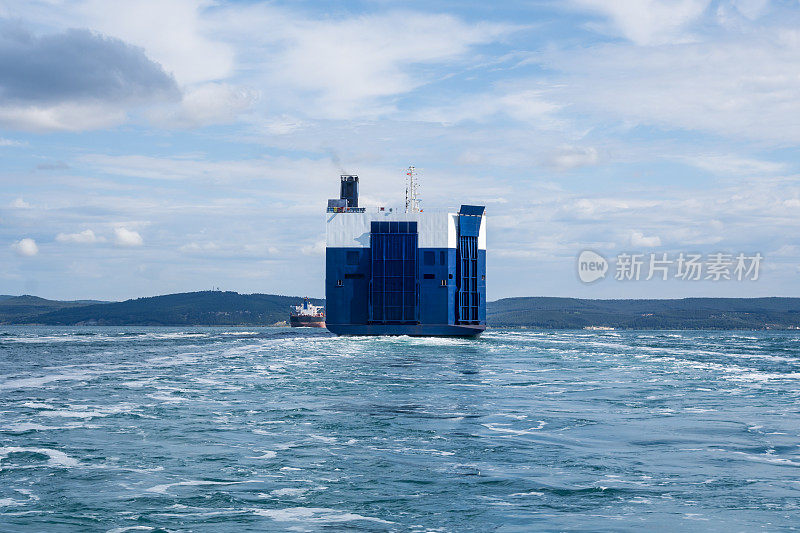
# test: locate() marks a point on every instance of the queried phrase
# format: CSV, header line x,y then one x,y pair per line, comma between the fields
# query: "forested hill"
x,y
16,308
230,308
687,313
210,308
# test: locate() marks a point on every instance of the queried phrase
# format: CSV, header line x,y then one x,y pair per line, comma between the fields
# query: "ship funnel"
x,y
349,190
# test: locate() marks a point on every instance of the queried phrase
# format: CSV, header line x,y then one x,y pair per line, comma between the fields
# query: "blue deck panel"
x,y
434,297
346,303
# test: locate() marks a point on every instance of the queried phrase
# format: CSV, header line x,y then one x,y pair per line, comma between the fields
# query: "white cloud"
x,y
570,157
178,34
347,67
10,142
339,67
787,250
19,203
84,237
25,247
74,79
199,247
602,208
792,202
639,239
307,176
752,9
351,63
231,249
260,249
194,167
282,125
61,117
209,103
126,237
334,67
317,248
735,165
526,105
737,86
647,22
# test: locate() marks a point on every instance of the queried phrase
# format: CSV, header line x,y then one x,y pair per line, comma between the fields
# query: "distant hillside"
x,y
212,308
22,308
687,313
230,308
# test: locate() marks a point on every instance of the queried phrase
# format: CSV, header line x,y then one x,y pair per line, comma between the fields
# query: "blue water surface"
x,y
274,429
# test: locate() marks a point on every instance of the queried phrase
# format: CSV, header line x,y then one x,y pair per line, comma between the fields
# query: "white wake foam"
x,y
55,457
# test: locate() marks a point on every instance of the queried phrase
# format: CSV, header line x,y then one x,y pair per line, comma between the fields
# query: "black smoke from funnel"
x,y
337,162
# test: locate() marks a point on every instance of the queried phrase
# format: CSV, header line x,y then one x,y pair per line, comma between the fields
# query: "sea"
x,y
155,429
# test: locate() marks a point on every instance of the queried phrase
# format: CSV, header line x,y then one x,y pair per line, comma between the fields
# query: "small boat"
x,y
307,315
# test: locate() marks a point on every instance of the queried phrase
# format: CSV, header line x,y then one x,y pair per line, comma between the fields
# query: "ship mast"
x,y
412,202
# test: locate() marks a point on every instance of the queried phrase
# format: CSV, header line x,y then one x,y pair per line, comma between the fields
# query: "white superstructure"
x,y
436,229
307,309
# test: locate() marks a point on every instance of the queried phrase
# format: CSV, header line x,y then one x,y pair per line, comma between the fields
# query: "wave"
x,y
24,383
87,412
314,514
25,427
54,457
164,488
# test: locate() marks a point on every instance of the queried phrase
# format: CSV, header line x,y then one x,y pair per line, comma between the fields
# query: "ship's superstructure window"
x,y
429,258
354,276
428,276
352,258
442,257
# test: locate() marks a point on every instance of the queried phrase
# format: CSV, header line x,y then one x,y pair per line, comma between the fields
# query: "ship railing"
x,y
386,210
347,210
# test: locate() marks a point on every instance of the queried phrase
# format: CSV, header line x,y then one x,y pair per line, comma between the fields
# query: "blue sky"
x,y
153,147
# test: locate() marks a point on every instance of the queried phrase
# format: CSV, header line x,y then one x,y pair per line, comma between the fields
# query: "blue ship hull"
x,y
412,330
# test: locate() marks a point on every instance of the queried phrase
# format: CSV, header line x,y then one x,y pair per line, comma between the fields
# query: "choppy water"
x,y
226,429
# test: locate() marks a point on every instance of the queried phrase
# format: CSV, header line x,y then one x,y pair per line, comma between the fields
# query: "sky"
x,y
152,147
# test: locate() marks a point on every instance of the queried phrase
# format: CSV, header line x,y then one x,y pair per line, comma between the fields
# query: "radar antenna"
x,y
412,184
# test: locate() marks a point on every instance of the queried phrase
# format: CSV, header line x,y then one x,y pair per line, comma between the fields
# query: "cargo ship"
x,y
404,271
307,315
